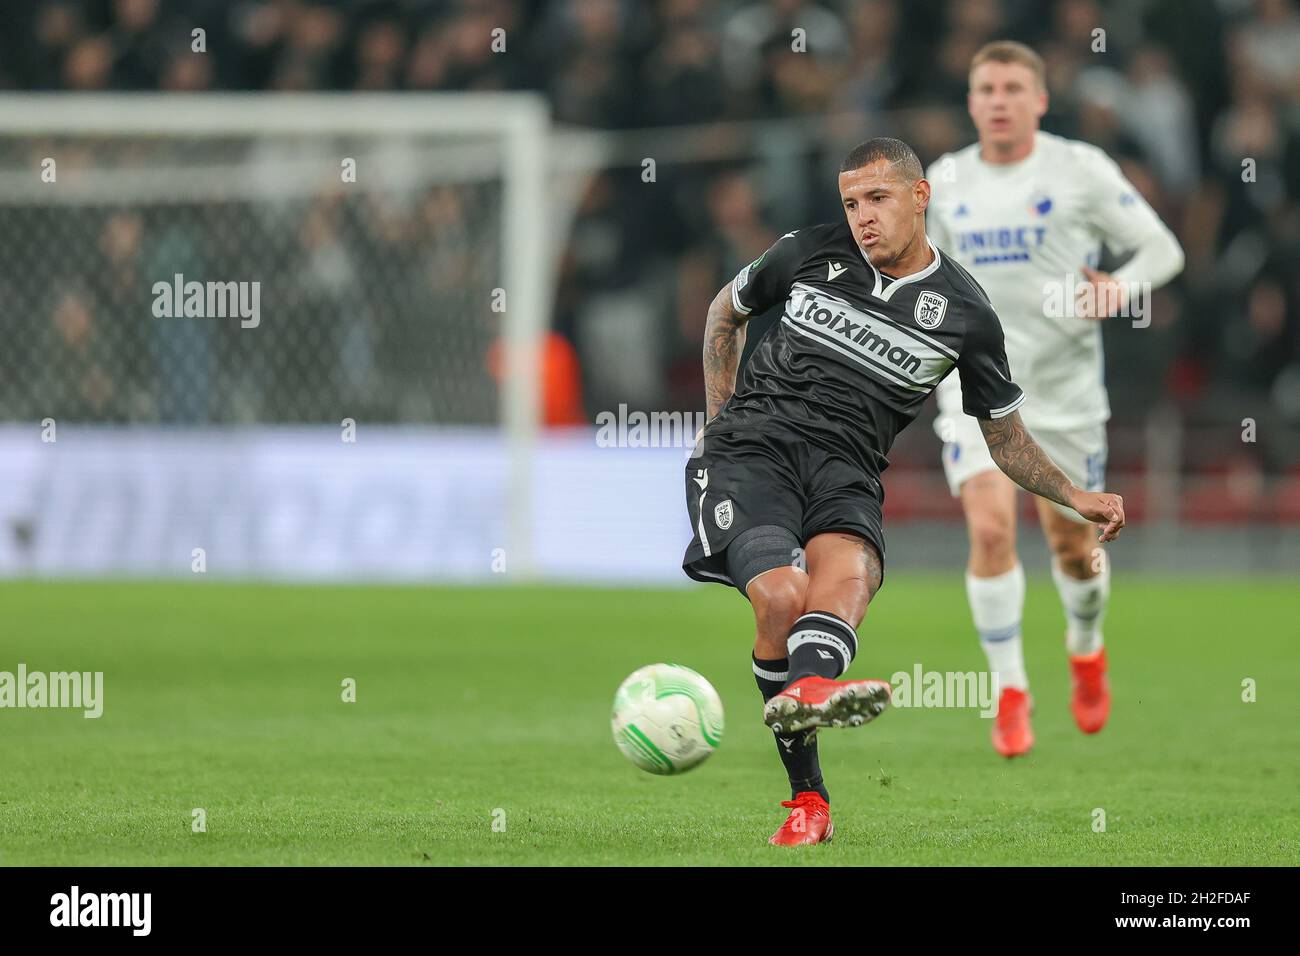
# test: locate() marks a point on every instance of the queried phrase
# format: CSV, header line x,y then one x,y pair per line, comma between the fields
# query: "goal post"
x,y
258,182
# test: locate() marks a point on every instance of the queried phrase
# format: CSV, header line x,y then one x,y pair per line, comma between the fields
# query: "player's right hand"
x,y
1102,507
1101,297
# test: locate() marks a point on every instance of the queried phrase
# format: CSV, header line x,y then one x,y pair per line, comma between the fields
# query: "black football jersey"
x,y
855,353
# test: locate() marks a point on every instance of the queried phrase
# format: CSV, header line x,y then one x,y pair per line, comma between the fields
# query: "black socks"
x,y
798,750
820,645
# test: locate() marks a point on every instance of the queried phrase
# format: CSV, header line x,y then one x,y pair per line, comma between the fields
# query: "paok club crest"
x,y
930,309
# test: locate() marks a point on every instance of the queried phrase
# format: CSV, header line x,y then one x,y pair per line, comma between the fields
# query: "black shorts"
x,y
743,480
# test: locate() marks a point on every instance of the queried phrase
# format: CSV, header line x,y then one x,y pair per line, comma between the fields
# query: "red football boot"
x,y
1090,698
821,702
1012,735
809,821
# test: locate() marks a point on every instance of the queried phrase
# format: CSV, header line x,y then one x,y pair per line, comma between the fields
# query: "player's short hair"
x,y
1009,51
899,154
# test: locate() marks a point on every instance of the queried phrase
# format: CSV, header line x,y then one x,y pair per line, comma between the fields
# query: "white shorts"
x,y
1079,452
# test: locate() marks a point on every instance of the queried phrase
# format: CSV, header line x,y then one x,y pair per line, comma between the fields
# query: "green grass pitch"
x,y
477,706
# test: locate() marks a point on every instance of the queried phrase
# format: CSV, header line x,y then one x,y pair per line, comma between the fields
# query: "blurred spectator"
x,y
683,76
1198,99
1269,45
873,73
772,69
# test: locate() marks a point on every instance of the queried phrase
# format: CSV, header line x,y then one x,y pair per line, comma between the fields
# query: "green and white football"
x,y
667,718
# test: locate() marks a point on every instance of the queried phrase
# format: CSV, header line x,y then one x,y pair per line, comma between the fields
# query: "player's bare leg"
x,y
1082,576
844,573
995,588
778,598
989,502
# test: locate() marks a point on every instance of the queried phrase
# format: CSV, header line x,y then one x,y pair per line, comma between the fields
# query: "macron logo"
x,y
834,270
102,909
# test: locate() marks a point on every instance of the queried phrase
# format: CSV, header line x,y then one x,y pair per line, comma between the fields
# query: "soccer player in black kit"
x,y
784,487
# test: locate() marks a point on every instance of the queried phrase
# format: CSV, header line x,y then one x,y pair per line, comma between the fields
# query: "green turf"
x,y
227,697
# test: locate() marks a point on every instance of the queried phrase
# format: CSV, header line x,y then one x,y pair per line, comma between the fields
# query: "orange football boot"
x,y
822,702
809,821
1012,735
1090,697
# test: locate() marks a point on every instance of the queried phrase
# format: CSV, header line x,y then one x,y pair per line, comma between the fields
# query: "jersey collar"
x,y
885,294
1011,169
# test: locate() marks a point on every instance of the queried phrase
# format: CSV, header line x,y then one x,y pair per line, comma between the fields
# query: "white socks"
x,y
1085,608
996,605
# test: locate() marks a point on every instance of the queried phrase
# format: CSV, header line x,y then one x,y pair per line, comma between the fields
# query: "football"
x,y
667,718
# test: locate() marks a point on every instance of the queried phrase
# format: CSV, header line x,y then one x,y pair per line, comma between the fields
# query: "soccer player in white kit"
x,y
1027,214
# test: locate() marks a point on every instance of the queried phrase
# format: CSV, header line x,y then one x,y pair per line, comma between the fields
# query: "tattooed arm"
x,y
724,340
1022,460
1018,455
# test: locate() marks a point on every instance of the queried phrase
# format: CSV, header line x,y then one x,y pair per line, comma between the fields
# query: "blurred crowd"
x,y
1199,100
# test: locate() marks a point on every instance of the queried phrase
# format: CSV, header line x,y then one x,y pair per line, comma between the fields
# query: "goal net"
x,y
277,259
378,231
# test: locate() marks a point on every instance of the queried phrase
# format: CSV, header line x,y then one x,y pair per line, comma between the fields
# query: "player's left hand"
x,y
1102,507
1100,297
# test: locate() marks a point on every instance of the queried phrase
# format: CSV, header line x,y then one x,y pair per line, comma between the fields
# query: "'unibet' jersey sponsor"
x,y
1025,231
855,352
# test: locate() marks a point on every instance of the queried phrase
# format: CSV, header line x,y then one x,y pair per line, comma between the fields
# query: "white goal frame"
x,y
520,121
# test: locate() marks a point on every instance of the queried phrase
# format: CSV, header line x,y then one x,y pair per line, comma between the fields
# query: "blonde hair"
x,y
1009,51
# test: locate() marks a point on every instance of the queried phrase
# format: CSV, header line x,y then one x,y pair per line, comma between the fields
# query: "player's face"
x,y
1005,103
883,210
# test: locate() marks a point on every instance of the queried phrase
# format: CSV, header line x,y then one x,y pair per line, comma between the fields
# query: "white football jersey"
x,y
1025,230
